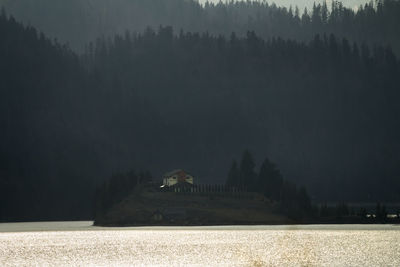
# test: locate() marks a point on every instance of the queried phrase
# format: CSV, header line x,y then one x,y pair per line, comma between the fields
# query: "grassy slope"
x,y
178,209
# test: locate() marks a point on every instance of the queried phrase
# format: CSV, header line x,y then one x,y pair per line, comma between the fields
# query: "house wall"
x,y
169,181
172,180
189,179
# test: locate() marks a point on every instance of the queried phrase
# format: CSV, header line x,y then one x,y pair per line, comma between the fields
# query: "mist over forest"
x,y
158,85
306,3
79,22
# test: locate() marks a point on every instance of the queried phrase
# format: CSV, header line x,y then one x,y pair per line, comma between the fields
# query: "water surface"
x,y
80,244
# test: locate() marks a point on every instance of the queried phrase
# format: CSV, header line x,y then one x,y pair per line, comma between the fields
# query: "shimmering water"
x,y
79,244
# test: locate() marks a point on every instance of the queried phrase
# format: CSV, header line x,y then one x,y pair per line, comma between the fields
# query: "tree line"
x,y
376,22
291,199
342,212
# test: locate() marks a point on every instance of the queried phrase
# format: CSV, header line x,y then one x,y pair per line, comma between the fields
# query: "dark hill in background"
x,y
81,21
46,159
325,110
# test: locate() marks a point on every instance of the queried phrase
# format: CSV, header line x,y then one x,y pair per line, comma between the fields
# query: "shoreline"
x,y
72,226
394,223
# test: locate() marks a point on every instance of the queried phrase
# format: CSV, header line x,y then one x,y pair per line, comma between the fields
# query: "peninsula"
x,y
247,198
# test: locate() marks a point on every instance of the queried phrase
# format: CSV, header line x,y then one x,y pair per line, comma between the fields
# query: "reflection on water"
x,y
79,244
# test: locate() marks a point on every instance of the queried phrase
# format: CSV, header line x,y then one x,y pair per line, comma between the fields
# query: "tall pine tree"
x,y
233,175
247,174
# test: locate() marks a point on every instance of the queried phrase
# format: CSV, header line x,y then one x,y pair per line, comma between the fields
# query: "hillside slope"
x,y
168,208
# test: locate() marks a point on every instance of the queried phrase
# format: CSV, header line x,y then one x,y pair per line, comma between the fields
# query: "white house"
x,y
177,176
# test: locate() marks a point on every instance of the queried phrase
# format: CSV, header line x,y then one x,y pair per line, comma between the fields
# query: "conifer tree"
x,y
248,176
233,175
270,180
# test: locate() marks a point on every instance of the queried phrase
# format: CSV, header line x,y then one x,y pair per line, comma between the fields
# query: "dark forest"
x,y
316,95
79,22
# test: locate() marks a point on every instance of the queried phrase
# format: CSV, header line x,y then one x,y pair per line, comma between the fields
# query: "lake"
x,y
80,244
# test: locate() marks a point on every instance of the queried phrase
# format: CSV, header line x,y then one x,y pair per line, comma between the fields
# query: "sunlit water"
x,y
79,244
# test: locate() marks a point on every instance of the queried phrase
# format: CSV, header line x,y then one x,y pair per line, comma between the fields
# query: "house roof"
x,y
171,173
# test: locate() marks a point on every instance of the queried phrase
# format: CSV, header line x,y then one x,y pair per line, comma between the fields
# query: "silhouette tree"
x,y
270,180
233,176
247,172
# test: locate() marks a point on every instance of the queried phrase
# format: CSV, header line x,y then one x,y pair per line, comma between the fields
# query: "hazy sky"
x,y
307,3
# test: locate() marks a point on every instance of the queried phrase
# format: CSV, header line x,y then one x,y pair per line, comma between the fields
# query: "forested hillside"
x,y
46,159
81,21
325,110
